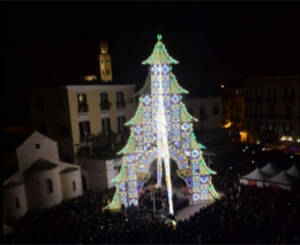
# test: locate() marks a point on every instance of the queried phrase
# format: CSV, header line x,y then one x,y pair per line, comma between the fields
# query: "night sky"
x,y
214,42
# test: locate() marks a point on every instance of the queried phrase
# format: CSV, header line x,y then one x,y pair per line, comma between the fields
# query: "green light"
x,y
159,37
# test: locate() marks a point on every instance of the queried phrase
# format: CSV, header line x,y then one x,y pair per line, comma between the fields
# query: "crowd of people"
x,y
243,215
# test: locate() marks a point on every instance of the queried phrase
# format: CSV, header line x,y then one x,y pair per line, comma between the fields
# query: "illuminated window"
x,y
107,62
107,72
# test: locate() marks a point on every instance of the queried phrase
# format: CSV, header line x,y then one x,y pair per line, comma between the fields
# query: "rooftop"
x,y
40,165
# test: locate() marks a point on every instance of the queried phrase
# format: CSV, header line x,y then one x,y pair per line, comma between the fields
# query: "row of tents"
x,y
272,177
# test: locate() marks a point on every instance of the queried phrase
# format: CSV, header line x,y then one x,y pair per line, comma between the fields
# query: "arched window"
x,y
74,185
49,186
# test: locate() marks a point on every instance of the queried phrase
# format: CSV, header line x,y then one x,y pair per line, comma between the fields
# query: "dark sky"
x,y
213,41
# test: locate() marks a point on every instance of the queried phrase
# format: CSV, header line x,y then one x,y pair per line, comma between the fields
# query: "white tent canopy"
x,y
283,180
293,171
268,169
256,177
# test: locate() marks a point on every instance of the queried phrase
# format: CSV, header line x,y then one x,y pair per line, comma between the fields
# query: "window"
x,y
202,112
120,96
81,99
74,185
104,98
107,62
287,128
272,94
103,73
108,72
191,111
216,110
105,105
106,126
289,94
17,203
120,100
49,186
85,130
101,61
271,127
82,103
258,94
121,121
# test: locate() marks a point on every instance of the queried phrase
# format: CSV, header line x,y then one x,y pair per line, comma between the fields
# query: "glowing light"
x,y
222,86
253,161
258,142
286,138
227,125
236,92
298,140
263,149
292,156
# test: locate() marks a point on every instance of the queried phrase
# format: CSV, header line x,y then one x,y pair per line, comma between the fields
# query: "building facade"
x,y
42,181
208,111
71,114
232,107
272,108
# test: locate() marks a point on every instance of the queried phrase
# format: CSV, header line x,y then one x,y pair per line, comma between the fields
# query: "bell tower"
x,y
105,63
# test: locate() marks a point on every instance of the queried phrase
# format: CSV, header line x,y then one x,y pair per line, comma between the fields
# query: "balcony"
x,y
83,108
105,105
121,104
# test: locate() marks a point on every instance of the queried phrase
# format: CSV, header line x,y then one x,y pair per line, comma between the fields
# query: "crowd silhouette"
x,y
245,214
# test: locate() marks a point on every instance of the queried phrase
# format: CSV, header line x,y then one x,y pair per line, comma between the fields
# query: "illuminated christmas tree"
x,y
161,129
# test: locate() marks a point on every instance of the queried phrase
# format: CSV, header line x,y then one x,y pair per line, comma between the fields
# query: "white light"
x,y
253,161
253,152
263,149
237,92
222,86
246,147
298,140
292,156
244,150
258,142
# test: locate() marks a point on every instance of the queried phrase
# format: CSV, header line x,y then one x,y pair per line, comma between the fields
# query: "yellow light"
x,y
227,125
237,92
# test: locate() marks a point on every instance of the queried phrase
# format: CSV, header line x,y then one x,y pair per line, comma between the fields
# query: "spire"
x,y
159,54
